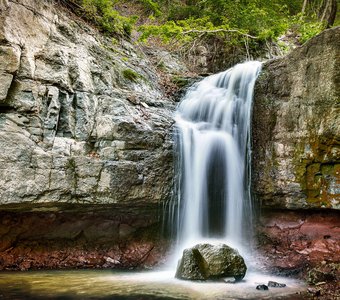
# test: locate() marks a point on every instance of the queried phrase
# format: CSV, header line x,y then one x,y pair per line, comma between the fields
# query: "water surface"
x,y
106,284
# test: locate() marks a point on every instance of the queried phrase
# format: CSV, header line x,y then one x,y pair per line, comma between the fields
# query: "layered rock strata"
x,y
296,155
83,121
87,237
296,127
293,241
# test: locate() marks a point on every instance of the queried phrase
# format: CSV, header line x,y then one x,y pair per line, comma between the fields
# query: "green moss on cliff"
x,y
316,174
130,75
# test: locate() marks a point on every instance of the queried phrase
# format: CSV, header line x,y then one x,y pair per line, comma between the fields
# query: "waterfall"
x,y
213,140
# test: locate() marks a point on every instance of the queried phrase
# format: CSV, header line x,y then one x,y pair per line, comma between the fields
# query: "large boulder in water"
x,y
206,261
223,261
192,266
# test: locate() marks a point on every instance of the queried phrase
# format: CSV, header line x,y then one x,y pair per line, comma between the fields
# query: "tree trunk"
x,y
327,12
304,6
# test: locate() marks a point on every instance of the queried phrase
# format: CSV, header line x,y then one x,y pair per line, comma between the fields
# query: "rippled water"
x,y
105,284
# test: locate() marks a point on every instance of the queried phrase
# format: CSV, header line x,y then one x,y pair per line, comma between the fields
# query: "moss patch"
x,y
131,75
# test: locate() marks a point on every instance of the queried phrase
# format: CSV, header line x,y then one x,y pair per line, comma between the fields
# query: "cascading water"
x,y
213,123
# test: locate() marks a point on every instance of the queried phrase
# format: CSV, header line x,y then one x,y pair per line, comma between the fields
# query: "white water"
x,y
213,122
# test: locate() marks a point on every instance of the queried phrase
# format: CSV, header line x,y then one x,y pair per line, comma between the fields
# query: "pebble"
x,y
262,287
276,284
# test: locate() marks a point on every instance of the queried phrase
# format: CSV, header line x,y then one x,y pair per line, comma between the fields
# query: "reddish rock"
x,y
113,238
292,240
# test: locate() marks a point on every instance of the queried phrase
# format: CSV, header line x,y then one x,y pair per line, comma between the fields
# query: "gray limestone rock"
x,y
192,266
206,261
223,261
296,127
69,132
276,284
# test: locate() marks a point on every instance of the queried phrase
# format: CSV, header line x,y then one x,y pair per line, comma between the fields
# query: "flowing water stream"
x,y
213,122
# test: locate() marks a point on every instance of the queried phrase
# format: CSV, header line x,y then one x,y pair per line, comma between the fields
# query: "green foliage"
x,y
255,17
103,13
171,29
151,7
180,81
309,29
184,23
265,19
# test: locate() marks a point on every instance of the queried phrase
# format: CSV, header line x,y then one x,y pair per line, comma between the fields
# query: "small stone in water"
x,y
227,280
276,284
262,287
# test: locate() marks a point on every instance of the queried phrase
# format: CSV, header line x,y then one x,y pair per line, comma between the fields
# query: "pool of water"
x,y
106,284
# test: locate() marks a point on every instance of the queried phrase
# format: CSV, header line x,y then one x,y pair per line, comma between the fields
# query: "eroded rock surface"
x,y
292,241
73,126
296,157
296,127
192,266
90,237
83,122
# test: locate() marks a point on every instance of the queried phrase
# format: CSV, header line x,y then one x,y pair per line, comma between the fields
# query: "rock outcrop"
x,y
81,237
206,261
86,147
192,266
296,127
291,241
296,156
82,119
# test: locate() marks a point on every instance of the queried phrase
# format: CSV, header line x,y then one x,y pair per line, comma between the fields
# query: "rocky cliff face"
x,y
296,127
82,119
86,146
296,155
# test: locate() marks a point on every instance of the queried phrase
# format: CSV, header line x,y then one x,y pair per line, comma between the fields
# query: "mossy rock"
x,y
323,273
206,261
192,266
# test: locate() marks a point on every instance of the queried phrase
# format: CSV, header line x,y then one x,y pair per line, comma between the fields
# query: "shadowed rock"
x,y
192,266
206,261
262,287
